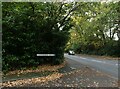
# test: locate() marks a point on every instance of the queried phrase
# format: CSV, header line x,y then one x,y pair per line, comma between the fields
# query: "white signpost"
x,y
45,54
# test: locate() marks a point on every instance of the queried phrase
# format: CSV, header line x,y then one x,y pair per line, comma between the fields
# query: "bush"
x,y
10,62
111,48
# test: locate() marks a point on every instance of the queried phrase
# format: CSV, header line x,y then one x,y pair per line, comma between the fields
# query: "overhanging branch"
x,y
69,12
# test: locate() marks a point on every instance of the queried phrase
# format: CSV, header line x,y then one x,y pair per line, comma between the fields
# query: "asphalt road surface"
x,y
109,67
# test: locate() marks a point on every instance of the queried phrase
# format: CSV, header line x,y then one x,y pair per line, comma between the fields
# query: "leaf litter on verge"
x,y
32,80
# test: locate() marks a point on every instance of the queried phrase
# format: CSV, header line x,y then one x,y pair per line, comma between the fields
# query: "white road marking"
x,y
73,68
96,61
83,58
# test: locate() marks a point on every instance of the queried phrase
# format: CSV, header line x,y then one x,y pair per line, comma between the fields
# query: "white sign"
x,y
45,54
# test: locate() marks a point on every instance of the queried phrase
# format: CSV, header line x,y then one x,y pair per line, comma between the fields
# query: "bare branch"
x,y
32,6
69,12
60,8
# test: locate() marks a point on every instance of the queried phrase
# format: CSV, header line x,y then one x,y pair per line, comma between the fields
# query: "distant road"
x,y
109,67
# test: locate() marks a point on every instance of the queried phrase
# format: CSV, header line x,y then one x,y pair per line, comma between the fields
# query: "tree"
x,y
30,28
96,25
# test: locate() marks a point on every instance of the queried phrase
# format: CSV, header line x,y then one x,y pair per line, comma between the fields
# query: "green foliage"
x,y
34,28
31,28
10,62
96,28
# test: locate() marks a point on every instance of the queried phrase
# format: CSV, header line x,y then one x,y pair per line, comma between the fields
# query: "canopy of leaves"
x,y
96,29
34,28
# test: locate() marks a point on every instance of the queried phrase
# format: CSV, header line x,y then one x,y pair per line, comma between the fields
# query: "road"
x,y
109,67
